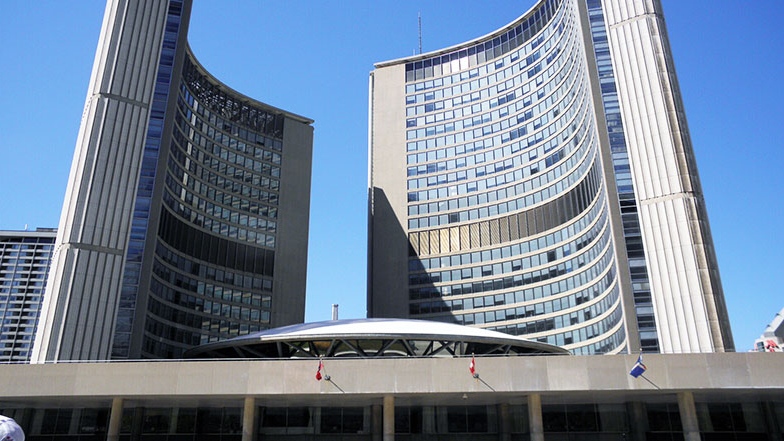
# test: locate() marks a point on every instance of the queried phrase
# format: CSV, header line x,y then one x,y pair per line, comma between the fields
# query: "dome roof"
x,y
372,338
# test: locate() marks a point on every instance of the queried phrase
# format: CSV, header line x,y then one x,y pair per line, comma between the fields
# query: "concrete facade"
x,y
513,397
688,298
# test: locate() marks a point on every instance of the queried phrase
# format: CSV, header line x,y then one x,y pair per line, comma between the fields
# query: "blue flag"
x,y
638,368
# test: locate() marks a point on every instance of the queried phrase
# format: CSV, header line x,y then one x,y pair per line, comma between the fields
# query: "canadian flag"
x,y
472,366
318,372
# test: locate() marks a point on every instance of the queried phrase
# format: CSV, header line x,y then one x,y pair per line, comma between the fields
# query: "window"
x,y
408,420
467,419
342,420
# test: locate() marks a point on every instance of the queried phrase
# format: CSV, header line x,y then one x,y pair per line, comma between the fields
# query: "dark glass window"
x,y
285,417
342,420
156,420
467,419
664,417
56,421
408,420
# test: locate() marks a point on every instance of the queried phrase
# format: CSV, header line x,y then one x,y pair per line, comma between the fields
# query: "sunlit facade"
x,y
186,216
502,196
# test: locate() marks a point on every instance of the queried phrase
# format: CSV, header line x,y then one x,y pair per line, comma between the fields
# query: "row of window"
x,y
574,164
243,233
581,420
237,214
223,177
232,180
29,305
216,250
186,328
511,85
492,149
208,292
239,141
439,147
25,243
595,216
515,309
5,298
482,95
223,276
517,263
215,153
233,114
479,53
568,171
608,329
451,298
27,279
556,210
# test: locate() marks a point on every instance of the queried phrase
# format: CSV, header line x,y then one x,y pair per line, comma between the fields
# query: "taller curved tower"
x,y
186,215
494,192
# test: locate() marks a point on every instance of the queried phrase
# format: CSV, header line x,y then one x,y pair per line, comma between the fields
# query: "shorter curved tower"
x,y
494,192
186,215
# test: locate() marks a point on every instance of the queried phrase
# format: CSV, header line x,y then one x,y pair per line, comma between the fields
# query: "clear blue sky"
x,y
313,58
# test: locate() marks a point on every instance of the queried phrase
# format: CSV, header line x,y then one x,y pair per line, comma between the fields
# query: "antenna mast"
x,y
419,18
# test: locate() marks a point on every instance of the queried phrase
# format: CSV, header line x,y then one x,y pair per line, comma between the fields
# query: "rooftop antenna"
x,y
419,19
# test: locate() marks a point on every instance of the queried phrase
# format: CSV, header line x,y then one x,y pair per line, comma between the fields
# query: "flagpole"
x,y
639,369
475,373
649,381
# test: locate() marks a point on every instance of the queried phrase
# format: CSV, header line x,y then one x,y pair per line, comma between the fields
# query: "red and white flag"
x,y
472,366
318,372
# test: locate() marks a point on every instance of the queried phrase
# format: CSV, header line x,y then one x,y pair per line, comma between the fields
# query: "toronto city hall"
x,y
533,197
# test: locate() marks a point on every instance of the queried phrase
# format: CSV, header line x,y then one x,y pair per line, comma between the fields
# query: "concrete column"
x,y
376,422
504,423
535,417
389,418
249,419
638,420
774,431
137,419
174,417
115,418
688,411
